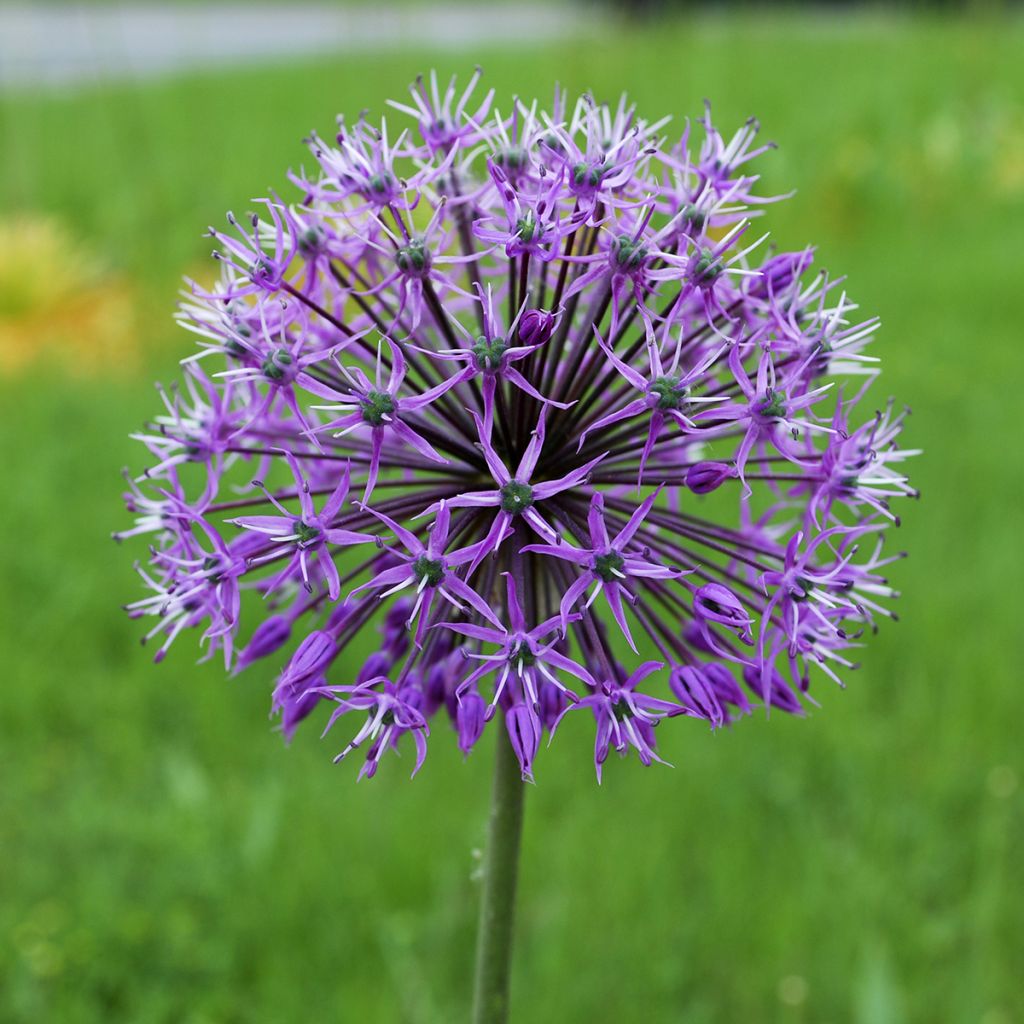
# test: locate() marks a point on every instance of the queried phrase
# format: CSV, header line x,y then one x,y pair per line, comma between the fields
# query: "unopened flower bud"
x,y
376,665
705,477
536,326
767,683
716,603
524,732
270,636
469,719
695,692
724,684
314,654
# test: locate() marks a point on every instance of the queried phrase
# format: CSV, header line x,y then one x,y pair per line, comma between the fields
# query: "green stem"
x,y
497,907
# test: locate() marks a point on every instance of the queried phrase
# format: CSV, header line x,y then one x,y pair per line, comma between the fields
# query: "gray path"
x,y
75,44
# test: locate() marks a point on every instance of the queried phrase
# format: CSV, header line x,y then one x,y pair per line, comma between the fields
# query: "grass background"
x,y
166,859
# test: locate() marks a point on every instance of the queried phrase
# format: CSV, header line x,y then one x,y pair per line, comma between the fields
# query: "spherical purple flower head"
x,y
521,398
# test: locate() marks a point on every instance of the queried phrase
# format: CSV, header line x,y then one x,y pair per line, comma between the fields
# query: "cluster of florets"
x,y
518,396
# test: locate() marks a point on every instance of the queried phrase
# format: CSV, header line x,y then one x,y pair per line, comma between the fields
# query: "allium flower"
x,y
519,394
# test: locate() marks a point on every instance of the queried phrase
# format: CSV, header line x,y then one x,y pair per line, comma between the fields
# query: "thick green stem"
x,y
498,902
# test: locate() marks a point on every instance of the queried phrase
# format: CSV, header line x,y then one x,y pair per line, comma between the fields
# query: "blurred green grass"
x,y
166,859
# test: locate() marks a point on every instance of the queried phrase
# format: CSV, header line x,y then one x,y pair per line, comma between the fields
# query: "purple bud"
x,y
377,664
696,694
435,686
339,616
705,477
524,731
552,702
412,696
270,636
716,603
780,271
245,545
469,719
295,702
536,326
315,653
693,634
724,684
395,629
766,681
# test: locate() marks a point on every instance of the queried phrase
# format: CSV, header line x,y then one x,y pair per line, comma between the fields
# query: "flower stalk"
x,y
498,896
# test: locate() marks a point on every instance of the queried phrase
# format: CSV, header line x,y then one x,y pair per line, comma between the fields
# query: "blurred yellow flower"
x,y
1008,170
57,301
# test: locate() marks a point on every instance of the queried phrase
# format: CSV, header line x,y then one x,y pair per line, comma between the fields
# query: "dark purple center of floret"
x,y
707,268
516,497
587,175
522,655
311,241
773,405
414,258
512,158
607,565
263,271
305,533
429,569
693,217
381,184
275,367
621,711
377,407
527,229
628,254
669,394
488,352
